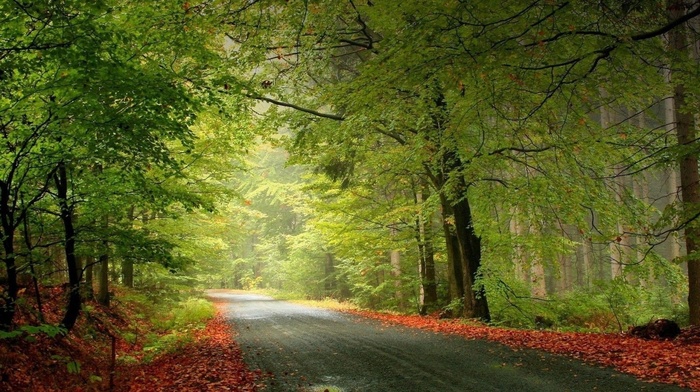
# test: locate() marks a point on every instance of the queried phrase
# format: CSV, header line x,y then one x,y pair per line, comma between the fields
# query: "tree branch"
x,y
331,116
668,27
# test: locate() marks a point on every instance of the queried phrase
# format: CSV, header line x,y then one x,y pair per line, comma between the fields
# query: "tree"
x,y
688,159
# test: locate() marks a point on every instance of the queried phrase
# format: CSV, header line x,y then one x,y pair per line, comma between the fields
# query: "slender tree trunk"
x,y
128,264
329,274
74,301
89,273
128,273
395,259
103,281
426,264
32,269
454,267
617,248
9,297
428,285
673,187
519,259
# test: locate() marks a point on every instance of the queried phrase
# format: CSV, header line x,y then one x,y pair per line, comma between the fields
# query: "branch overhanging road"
x,y
310,349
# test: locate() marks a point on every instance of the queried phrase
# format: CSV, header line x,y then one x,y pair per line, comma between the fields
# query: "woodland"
x,y
532,165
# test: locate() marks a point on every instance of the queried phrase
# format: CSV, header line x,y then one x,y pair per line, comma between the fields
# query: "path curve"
x,y
310,349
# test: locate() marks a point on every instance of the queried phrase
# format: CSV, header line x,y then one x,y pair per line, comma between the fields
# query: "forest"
x,y
531,165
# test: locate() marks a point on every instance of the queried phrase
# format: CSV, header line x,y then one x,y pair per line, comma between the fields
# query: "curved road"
x,y
309,349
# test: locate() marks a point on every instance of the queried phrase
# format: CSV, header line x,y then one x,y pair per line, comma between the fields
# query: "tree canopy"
x,y
415,155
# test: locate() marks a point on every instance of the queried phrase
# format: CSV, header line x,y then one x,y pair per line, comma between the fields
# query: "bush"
x,y
610,306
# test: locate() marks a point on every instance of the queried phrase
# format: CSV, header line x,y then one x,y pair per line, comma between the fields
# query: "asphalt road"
x,y
309,349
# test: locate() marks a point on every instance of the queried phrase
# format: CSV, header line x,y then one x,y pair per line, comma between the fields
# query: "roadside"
x,y
179,344
284,344
212,362
672,362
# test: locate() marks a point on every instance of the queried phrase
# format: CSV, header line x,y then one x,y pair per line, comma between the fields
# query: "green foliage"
x,y
190,313
72,365
608,306
173,319
30,332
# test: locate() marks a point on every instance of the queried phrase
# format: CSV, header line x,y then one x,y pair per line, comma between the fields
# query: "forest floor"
x,y
212,360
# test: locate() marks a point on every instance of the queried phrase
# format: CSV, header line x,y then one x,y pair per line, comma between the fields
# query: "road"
x,y
310,349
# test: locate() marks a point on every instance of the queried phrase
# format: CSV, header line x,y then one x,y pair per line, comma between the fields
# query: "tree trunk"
x,y
466,247
426,264
672,188
475,304
103,281
329,283
32,269
690,178
73,308
89,273
395,259
454,268
128,273
520,261
128,264
9,296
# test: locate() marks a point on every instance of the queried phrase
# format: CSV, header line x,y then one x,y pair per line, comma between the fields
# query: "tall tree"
x,y
688,155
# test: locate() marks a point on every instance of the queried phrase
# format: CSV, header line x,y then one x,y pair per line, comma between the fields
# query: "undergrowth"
x,y
137,328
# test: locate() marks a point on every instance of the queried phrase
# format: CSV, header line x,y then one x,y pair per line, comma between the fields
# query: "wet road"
x,y
309,349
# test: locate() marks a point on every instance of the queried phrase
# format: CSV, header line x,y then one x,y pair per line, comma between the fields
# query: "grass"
x,y
324,388
326,303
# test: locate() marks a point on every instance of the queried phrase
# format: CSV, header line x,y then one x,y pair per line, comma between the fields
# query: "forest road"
x,y
310,349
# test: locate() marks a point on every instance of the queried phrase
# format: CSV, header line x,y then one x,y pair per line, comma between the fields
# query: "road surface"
x,y
310,349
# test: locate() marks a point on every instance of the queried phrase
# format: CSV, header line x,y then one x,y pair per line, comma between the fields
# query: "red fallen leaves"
x,y
213,362
673,362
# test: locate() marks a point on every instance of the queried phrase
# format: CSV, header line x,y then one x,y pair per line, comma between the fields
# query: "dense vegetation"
x,y
531,164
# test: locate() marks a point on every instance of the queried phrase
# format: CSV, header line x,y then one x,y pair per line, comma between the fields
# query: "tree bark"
x,y
475,303
66,211
103,278
329,283
9,296
89,273
454,268
426,263
688,166
395,259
